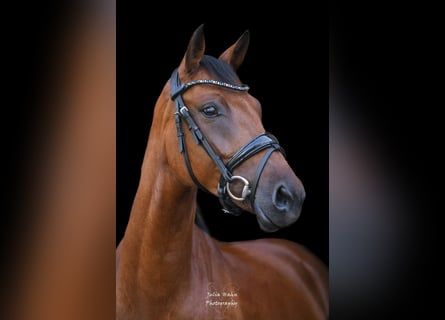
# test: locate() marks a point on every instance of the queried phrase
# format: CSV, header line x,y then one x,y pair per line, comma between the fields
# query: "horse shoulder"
x,y
278,270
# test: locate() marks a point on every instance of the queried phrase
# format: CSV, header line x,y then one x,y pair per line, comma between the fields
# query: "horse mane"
x,y
220,70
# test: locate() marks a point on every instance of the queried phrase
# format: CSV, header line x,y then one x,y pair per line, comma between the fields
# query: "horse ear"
x,y
235,54
194,53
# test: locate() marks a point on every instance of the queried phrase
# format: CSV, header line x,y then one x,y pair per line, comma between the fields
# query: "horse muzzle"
x,y
280,206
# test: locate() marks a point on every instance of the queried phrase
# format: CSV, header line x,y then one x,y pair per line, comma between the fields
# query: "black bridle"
x,y
260,142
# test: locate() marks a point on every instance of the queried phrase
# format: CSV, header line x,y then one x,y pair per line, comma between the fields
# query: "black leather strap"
x,y
257,144
261,142
175,86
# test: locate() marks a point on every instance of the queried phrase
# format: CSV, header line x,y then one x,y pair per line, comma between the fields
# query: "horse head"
x,y
215,138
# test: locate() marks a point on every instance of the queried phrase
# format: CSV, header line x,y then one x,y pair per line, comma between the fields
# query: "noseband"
x,y
260,142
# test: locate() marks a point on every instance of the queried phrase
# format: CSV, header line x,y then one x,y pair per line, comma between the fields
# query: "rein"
x,y
258,143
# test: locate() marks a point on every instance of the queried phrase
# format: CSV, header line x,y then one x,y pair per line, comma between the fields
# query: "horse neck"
x,y
156,249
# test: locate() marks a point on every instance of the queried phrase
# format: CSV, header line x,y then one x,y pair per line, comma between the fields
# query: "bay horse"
x,y
207,133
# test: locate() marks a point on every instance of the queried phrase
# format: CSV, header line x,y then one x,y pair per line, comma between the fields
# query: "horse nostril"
x,y
283,199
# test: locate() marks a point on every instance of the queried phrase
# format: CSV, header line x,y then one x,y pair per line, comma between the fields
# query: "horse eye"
x,y
210,111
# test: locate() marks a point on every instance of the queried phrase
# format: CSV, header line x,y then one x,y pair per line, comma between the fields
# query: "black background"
x,y
386,60
286,67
